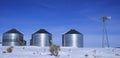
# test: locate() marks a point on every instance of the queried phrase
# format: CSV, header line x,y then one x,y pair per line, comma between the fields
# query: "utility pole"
x,y
105,40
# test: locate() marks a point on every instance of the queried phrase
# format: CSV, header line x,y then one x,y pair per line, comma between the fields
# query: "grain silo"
x,y
41,38
72,38
13,38
31,42
0,43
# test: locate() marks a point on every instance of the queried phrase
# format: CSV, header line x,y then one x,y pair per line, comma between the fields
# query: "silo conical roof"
x,y
42,31
73,31
13,31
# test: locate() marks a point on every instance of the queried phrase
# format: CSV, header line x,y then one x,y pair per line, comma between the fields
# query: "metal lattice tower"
x,y
105,40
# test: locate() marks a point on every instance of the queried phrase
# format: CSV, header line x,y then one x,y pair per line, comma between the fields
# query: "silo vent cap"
x,y
13,31
73,31
42,31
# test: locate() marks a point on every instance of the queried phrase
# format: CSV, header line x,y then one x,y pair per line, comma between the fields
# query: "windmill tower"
x,y
105,40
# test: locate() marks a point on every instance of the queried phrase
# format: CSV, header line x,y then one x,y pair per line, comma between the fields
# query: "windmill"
x,y
105,40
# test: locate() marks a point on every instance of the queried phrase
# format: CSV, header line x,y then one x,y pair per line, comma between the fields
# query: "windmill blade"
x,y
109,17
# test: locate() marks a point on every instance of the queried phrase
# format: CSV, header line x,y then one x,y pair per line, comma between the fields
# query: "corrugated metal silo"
x,y
41,38
31,42
0,43
10,38
72,38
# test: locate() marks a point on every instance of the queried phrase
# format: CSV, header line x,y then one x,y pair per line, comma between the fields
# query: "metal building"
x,y
41,38
11,37
72,38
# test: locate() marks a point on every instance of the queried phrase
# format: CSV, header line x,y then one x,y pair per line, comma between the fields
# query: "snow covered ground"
x,y
66,52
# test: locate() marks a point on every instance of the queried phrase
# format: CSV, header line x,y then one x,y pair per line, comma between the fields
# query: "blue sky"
x,y
59,16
